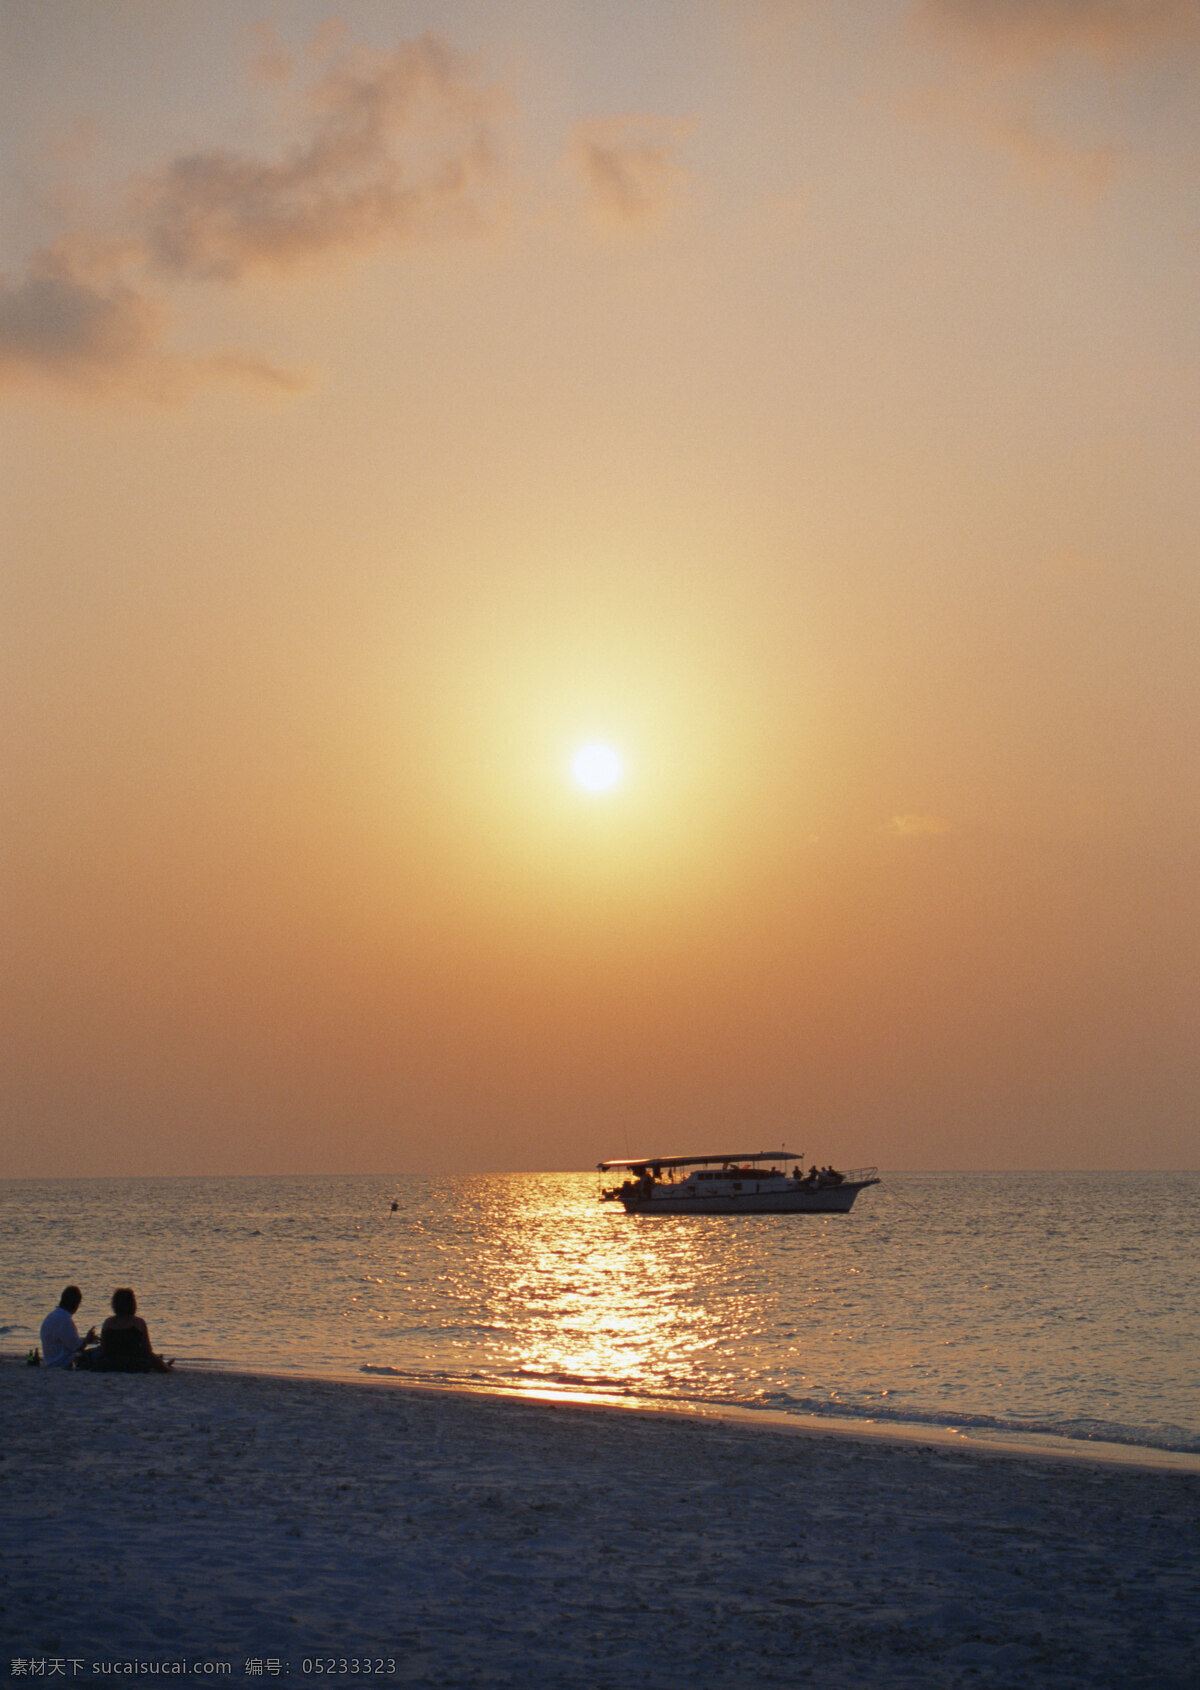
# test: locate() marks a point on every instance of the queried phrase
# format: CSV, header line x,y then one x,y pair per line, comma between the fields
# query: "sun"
x,y
596,767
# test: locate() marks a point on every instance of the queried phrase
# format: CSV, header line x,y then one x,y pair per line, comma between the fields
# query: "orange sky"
x,y
799,397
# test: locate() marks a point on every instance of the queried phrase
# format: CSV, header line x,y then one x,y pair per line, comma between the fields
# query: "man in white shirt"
x,y
61,1343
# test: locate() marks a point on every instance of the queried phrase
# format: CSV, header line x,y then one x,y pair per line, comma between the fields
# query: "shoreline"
x,y
476,1538
975,1440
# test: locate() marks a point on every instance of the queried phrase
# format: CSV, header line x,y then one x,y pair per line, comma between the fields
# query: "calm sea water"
x,y
1059,1303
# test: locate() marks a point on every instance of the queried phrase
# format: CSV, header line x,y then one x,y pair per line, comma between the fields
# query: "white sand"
x,y
479,1541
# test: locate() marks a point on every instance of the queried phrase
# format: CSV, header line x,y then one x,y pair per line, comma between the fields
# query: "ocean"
x,y
1058,1304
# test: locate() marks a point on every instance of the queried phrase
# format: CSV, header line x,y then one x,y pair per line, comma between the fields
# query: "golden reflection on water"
x,y
596,1295
528,1282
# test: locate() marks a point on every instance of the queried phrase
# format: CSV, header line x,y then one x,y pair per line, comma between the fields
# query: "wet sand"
x,y
461,1539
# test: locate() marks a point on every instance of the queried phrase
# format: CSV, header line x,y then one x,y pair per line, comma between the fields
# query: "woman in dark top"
x,y
124,1340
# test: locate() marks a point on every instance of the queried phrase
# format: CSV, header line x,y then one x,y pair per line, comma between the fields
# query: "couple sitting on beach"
x,y
123,1343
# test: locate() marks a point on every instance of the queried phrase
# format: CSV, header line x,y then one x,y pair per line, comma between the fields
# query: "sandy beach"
x,y
252,1528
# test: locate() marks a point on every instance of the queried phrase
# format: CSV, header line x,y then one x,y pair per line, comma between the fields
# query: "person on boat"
x,y
125,1340
61,1344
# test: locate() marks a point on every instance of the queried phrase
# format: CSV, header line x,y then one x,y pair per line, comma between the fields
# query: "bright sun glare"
x,y
596,767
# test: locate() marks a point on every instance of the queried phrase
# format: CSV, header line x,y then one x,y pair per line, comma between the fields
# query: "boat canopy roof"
x,y
701,1161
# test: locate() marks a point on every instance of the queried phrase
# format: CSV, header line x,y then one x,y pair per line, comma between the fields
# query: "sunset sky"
x,y
797,397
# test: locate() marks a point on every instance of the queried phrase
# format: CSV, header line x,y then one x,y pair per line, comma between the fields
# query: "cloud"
x,y
98,334
911,827
1017,70
269,62
392,145
1110,31
395,144
628,166
1008,119
249,368
55,319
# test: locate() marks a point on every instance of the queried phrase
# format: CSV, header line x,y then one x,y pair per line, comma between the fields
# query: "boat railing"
x,y
860,1176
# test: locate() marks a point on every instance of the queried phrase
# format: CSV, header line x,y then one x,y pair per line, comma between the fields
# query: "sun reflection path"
x,y
527,1283
599,1302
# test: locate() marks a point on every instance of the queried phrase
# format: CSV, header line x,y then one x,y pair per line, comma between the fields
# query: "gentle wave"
x,y
1174,1439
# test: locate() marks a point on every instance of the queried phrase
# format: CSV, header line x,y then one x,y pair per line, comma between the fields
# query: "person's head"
x,y
71,1299
124,1303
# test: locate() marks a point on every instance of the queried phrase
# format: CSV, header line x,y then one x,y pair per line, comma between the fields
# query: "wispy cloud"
x,y
100,335
1010,62
392,145
56,319
911,827
629,166
269,62
386,145
1008,119
1108,30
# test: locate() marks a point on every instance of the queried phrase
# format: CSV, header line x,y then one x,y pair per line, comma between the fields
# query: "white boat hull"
x,y
690,1200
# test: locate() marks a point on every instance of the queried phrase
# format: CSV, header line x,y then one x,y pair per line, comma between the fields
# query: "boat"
x,y
765,1182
